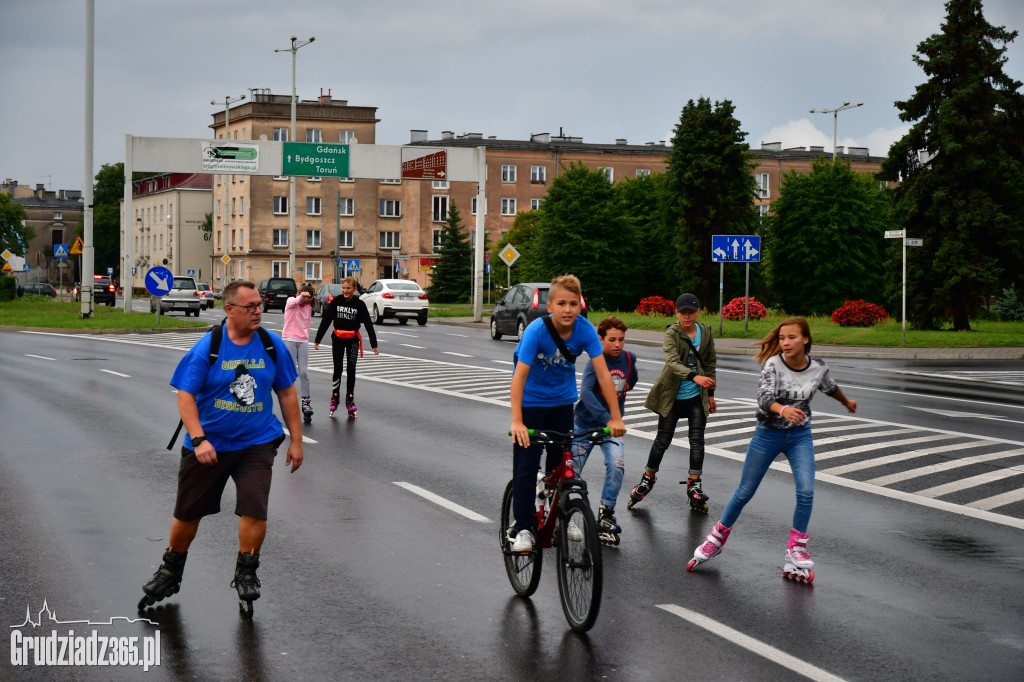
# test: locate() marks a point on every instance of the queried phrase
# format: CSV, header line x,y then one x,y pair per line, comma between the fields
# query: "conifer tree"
x,y
452,278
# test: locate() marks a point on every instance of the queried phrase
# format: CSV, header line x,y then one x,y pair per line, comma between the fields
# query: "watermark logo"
x,y
64,647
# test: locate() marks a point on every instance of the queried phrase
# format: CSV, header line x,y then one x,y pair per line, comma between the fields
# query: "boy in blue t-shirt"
x,y
592,412
543,392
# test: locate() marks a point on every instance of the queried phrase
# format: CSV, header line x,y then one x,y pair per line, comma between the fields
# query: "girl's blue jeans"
x,y
766,444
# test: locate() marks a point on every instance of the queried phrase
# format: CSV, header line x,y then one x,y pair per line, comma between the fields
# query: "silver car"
x,y
397,298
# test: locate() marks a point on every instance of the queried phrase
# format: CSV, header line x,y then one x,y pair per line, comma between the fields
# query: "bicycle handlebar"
x,y
545,437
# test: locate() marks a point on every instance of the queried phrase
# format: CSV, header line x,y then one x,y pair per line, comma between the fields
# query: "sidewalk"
x,y
645,337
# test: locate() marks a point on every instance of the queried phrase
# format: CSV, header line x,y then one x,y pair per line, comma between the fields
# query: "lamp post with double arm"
x,y
835,122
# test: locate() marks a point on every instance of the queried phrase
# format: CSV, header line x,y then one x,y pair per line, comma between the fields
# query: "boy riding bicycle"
x,y
543,393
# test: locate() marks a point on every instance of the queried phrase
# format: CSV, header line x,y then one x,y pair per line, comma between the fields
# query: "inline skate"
x,y
711,547
307,410
350,405
695,494
246,583
798,560
167,579
642,489
334,404
608,529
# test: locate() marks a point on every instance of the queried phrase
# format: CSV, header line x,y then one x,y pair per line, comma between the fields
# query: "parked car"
x,y
184,295
39,289
324,295
103,290
208,295
398,298
521,305
275,291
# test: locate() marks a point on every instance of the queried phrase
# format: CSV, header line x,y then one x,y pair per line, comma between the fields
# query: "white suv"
x,y
398,298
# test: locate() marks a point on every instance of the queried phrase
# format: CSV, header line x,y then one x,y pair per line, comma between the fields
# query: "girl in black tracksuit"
x,y
347,312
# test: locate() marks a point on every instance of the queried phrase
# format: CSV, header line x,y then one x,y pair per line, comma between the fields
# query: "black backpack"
x,y
216,339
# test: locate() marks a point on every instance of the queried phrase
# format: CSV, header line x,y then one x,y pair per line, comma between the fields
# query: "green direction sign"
x,y
314,158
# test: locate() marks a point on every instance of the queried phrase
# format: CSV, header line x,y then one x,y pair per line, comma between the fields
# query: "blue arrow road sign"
x,y
353,265
159,280
735,248
60,250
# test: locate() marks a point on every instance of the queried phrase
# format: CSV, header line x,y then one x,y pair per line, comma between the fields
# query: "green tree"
x,y
581,230
961,167
522,237
14,234
641,202
452,279
710,190
824,242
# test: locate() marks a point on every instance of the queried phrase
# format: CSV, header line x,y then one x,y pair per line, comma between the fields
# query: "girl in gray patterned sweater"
x,y
789,378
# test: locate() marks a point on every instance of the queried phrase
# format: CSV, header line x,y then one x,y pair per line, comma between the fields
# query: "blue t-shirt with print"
x,y
689,389
552,378
235,395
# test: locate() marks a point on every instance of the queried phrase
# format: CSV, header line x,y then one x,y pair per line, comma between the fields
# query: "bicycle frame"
x,y
558,486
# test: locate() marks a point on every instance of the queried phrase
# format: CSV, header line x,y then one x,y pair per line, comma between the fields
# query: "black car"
x,y
521,305
40,289
275,291
324,295
103,290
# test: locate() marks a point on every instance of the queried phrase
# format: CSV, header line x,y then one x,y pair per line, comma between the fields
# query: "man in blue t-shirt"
x,y
228,409
543,392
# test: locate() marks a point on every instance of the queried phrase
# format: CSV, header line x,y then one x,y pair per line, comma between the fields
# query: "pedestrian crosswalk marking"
x,y
946,466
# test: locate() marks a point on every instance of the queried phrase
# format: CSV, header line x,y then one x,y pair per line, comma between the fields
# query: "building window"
x,y
440,184
346,179
233,211
762,210
280,134
279,268
346,239
218,239
312,239
390,240
280,206
761,180
313,178
508,206
234,242
147,213
280,177
241,209
508,173
312,205
440,208
608,173
643,172
281,237
313,135
313,270
346,136
241,238
391,181
347,207
58,215
438,232
538,174
390,208
535,203
472,206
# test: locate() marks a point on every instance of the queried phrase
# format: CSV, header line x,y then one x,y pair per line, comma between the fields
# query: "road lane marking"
x,y
971,482
110,371
964,415
41,357
465,336
1008,497
503,362
447,504
460,355
944,466
411,336
409,345
305,438
897,457
758,647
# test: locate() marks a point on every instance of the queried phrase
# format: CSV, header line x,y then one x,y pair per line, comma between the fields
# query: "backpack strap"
x,y
566,353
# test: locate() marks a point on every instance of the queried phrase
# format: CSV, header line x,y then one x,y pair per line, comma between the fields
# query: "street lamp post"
x,y
296,44
228,101
835,122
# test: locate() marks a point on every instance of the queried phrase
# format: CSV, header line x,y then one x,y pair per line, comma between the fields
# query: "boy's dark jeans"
x,y
693,410
526,461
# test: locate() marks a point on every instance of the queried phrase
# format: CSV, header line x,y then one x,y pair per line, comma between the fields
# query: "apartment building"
x,y
169,211
53,216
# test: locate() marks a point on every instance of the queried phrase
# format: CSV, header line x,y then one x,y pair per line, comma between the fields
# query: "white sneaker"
x,y
574,533
523,543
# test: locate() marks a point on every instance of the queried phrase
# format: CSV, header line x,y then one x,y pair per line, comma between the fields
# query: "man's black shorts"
x,y
200,487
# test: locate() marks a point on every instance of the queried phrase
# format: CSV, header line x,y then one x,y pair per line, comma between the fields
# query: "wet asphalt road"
x,y
364,580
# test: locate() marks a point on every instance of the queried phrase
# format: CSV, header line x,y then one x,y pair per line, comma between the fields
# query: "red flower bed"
x,y
656,306
734,310
859,314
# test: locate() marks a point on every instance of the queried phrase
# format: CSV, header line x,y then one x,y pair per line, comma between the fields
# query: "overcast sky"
x,y
596,69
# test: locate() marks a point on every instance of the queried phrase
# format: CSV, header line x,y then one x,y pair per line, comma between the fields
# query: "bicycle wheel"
x,y
579,566
523,569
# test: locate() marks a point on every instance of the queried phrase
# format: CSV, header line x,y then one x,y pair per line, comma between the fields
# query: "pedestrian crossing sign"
x,y
60,250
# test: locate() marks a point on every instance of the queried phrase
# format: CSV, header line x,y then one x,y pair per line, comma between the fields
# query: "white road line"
x,y
465,336
409,345
503,362
829,454
447,504
1008,497
119,374
460,355
380,331
944,466
41,357
758,647
305,438
973,481
897,457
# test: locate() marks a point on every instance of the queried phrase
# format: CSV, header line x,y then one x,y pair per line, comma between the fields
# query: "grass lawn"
x,y
49,313
984,333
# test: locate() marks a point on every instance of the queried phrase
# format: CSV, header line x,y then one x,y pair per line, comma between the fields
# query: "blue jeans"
x,y
766,444
613,466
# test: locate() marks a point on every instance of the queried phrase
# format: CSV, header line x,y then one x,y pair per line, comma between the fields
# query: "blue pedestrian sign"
x,y
352,265
735,249
191,273
159,280
60,250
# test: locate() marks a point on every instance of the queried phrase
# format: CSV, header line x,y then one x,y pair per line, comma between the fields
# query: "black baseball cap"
x,y
687,302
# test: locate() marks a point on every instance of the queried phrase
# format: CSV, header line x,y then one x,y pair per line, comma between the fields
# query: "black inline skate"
x,y
246,582
608,529
642,489
694,493
307,410
167,579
